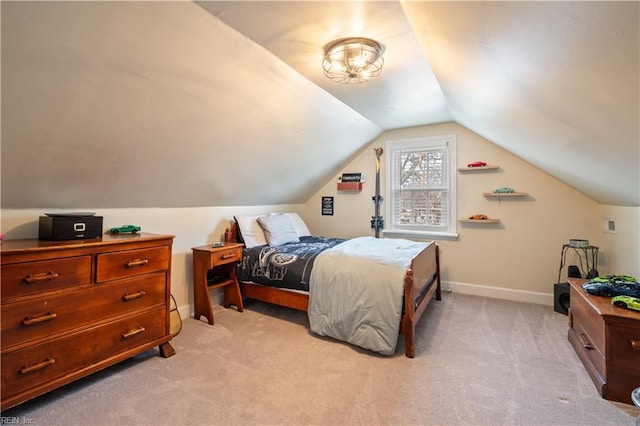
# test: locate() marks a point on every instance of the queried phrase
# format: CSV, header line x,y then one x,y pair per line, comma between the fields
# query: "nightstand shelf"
x,y
222,261
220,284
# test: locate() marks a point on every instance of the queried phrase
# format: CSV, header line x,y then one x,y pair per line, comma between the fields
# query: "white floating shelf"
x,y
505,194
468,169
479,220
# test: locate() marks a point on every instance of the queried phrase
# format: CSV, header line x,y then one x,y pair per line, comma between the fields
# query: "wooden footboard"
x,y
421,283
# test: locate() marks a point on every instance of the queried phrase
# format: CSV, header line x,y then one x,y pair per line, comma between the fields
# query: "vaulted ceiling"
x,y
172,104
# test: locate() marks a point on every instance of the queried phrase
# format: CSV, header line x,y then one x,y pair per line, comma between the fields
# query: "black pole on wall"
x,y
377,223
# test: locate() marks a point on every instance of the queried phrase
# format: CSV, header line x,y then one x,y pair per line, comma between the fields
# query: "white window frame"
x,y
393,229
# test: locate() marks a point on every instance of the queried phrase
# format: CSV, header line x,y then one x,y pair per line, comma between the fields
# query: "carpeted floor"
x,y
478,362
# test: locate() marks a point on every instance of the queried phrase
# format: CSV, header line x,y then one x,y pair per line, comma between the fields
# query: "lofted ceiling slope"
x,y
158,104
178,104
556,83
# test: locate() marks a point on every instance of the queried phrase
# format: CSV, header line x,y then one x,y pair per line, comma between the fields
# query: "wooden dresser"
x,y
72,308
607,341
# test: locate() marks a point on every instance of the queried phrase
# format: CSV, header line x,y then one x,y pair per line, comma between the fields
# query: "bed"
x,y
267,258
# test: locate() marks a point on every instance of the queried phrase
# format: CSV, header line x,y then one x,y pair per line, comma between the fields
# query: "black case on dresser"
x,y
61,228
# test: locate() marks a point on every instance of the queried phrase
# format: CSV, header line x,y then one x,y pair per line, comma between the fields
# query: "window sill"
x,y
420,234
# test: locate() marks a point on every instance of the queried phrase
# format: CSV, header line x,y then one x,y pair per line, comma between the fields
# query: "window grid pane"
x,y
423,169
426,208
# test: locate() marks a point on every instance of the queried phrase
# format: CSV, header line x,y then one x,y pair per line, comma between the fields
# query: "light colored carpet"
x,y
478,362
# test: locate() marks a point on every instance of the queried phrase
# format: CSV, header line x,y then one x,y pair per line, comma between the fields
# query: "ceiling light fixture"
x,y
353,60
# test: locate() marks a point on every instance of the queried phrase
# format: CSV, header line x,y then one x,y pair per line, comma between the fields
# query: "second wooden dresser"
x,y
607,341
72,308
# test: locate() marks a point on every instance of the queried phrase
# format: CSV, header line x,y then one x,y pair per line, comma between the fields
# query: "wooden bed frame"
x,y
421,283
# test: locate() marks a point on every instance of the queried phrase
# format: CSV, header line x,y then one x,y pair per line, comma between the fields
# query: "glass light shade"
x,y
353,60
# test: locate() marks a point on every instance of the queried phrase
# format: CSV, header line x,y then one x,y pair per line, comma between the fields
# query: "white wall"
x,y
517,259
192,227
622,246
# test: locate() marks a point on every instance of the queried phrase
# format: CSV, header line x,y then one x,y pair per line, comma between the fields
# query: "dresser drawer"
x,y
588,348
33,319
123,264
36,365
223,257
593,326
624,351
623,373
21,279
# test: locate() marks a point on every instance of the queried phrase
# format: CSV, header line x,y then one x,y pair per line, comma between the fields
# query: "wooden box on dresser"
x,y
607,341
71,308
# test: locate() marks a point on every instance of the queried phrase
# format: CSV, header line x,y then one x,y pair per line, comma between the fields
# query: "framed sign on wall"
x,y
327,206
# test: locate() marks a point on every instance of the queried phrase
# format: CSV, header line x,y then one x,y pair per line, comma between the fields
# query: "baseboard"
x,y
499,293
185,311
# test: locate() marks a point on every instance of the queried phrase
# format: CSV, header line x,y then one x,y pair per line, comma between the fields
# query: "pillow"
x,y
278,229
250,231
299,225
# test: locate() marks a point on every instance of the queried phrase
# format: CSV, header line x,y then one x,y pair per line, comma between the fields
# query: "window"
x,y
420,193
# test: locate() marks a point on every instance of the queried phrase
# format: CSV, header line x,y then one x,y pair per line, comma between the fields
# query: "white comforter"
x,y
356,291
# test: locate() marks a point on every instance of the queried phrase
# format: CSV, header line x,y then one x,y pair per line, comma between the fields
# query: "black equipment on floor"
x,y
587,256
561,298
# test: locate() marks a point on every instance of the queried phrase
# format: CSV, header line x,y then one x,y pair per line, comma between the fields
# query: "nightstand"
x,y
222,260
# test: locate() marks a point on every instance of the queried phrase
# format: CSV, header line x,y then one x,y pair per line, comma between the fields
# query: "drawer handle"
x,y
635,344
585,343
137,295
27,369
136,262
227,256
42,318
133,332
36,278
